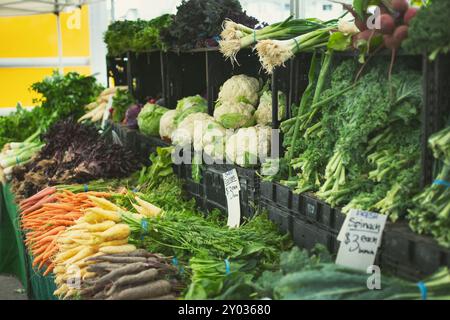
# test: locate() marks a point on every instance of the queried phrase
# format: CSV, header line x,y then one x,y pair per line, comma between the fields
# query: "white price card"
x,y
232,188
360,238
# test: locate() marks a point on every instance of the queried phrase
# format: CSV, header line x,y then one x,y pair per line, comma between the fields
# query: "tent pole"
x,y
60,43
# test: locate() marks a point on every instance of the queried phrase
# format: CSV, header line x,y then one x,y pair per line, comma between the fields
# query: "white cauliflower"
x,y
214,140
189,128
263,115
249,146
240,88
234,115
167,124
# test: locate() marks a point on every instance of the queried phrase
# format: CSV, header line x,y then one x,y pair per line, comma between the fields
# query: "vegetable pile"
x,y
357,144
45,216
137,275
137,36
428,31
60,96
18,154
431,213
88,156
197,23
96,110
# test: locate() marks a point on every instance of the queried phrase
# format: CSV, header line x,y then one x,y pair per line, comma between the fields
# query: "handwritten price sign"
x,y
360,238
232,188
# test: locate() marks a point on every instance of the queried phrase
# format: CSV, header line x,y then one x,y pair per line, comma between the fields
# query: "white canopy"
x,y
30,7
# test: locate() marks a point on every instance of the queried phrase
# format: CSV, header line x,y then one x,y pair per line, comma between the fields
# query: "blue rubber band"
x,y
227,266
175,261
134,190
423,290
442,183
86,188
144,225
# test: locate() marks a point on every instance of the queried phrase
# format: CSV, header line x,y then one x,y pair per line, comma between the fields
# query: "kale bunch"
x,y
429,31
63,96
197,22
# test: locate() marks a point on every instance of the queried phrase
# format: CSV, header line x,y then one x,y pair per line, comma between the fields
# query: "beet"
x,y
387,24
400,5
390,42
409,15
401,33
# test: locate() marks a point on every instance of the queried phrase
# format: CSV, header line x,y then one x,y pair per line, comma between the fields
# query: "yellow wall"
x,y
36,37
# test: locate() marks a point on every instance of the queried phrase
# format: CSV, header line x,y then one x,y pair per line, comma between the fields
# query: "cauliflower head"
x,y
249,146
263,115
235,115
214,140
240,88
190,128
167,124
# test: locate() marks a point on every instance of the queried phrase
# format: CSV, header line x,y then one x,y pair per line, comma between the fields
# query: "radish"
x,y
391,42
387,24
400,5
409,15
401,33
362,36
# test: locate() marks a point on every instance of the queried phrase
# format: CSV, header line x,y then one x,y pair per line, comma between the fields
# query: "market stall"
x,y
281,161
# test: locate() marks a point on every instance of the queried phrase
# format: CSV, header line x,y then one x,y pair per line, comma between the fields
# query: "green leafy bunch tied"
x,y
429,30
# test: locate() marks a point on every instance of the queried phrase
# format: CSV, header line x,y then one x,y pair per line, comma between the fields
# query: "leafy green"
x,y
149,119
122,100
137,36
61,96
64,96
161,168
429,31
197,22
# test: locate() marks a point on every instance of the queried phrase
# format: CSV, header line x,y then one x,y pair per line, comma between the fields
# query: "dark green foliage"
x,y
429,31
198,21
121,102
137,36
61,96
64,96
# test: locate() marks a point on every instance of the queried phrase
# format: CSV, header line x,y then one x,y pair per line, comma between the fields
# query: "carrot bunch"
x,y
46,215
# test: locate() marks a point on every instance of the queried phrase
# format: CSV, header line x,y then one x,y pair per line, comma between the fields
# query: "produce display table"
x,y
14,257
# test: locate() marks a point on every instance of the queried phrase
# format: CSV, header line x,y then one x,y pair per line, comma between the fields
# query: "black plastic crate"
x,y
411,255
280,217
213,189
307,235
145,75
183,75
117,68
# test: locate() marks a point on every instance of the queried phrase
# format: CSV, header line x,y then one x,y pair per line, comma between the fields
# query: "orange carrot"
x,y
50,233
49,269
59,206
39,204
38,196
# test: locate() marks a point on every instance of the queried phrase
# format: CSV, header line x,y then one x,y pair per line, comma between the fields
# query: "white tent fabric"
x,y
30,7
